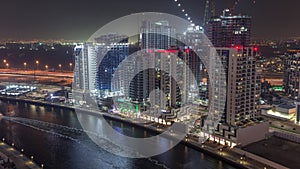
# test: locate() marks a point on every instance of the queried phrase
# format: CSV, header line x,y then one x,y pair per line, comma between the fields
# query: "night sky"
x,y
78,19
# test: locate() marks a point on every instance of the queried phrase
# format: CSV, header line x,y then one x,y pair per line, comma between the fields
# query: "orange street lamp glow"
x,y
59,66
71,64
25,64
37,64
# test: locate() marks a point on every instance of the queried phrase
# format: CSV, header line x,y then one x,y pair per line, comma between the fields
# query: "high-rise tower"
x,y
209,11
230,37
157,35
229,30
85,67
292,73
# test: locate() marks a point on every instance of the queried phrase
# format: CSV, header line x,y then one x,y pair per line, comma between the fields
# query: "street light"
x,y
71,64
7,65
31,158
25,64
37,64
59,66
46,67
4,61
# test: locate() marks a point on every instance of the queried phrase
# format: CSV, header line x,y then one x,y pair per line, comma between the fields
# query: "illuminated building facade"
x,y
298,111
195,35
229,30
86,67
292,73
109,64
94,76
241,112
161,77
156,35
243,84
240,118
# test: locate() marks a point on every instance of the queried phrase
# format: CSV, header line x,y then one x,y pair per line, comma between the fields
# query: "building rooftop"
x,y
278,150
286,106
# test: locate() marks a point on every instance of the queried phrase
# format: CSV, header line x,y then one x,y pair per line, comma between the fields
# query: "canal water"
x,y
55,138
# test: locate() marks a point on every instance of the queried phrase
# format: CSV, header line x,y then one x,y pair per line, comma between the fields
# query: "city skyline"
x,y
77,20
149,84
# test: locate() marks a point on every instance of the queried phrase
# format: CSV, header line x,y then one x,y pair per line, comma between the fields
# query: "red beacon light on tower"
x,y
238,47
255,49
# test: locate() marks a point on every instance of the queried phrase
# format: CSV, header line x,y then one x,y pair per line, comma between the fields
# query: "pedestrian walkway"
x,y
19,159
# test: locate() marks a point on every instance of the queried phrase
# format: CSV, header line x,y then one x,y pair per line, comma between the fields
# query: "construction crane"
x,y
209,10
236,2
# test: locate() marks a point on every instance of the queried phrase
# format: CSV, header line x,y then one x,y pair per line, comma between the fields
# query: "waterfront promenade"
x,y
210,148
19,159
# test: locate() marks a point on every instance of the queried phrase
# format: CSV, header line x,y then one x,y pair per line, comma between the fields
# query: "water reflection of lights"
x,y
32,107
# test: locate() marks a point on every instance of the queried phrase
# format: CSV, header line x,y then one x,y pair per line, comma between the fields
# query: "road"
x,y
36,73
42,77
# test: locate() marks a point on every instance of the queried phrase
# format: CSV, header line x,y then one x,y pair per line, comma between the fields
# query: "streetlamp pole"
x,y
71,64
4,62
37,64
25,64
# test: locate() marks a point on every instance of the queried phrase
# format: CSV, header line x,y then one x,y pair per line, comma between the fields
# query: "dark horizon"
x,y
77,20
